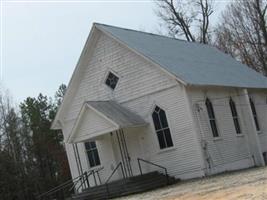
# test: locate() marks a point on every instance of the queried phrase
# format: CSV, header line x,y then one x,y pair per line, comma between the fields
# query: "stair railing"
x,y
113,172
61,187
72,184
139,160
84,179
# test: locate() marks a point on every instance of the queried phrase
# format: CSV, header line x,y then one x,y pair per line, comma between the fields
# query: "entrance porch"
x,y
108,138
113,132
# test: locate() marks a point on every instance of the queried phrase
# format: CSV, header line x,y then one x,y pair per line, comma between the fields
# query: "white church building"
x,y
185,106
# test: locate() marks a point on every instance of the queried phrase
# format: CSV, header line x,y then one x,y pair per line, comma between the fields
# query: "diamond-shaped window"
x,y
112,80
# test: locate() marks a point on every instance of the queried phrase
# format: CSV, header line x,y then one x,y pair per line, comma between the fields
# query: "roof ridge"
x,y
154,34
144,32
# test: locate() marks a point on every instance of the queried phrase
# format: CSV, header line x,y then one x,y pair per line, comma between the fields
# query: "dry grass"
x,y
248,184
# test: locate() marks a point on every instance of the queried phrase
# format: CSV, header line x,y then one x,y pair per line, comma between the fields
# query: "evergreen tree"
x,y
32,156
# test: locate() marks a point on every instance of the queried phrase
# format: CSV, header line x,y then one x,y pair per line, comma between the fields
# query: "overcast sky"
x,y
42,41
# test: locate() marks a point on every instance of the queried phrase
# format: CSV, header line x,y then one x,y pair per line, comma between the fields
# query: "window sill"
x,y
95,167
167,150
240,135
217,138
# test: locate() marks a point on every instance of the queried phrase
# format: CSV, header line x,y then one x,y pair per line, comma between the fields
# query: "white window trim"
x,y
216,121
87,159
155,132
236,117
257,116
103,82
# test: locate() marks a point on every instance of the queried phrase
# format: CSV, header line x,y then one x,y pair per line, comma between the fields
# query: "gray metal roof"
x,y
117,113
194,63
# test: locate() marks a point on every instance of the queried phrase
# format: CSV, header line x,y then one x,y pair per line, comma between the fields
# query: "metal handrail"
x,y
57,188
72,182
97,172
87,175
116,168
151,163
63,185
119,165
82,179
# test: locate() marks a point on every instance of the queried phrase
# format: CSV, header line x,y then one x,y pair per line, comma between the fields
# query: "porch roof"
x,y
117,113
100,117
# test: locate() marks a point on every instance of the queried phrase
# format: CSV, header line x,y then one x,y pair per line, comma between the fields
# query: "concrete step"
x,y
124,187
118,183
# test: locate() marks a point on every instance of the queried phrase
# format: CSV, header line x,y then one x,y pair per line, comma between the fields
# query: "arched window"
x,y
212,118
252,105
235,116
162,128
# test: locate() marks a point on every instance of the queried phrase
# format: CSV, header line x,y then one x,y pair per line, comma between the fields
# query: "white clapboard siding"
x,y
260,100
137,76
97,124
229,147
184,159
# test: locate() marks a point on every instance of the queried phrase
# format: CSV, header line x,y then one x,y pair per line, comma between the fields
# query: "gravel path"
x,y
250,184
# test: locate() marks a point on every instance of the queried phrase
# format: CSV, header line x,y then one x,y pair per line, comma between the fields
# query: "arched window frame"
x,y
212,118
254,113
162,128
235,116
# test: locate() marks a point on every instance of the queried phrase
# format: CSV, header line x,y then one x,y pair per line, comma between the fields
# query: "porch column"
x,y
77,158
124,153
78,162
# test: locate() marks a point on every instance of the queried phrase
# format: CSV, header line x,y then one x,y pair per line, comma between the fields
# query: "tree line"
x,y
32,156
240,31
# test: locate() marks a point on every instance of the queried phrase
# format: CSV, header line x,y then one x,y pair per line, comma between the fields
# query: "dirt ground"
x,y
250,184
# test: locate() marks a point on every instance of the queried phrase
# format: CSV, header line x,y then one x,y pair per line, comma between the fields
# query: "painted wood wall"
x,y
230,151
260,100
141,86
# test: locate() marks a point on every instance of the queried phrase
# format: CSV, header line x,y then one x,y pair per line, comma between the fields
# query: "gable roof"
x,y
193,63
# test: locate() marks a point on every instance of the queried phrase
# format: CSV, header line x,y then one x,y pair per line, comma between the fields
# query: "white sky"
x,y
42,41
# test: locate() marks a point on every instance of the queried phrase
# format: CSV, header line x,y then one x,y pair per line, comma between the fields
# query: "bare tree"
x,y
189,19
243,33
